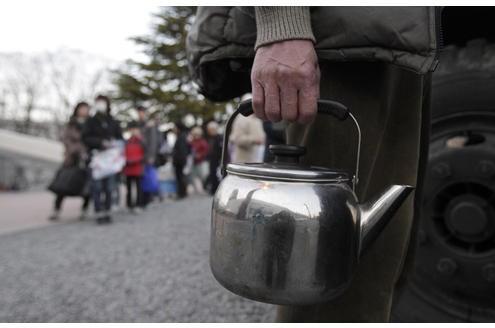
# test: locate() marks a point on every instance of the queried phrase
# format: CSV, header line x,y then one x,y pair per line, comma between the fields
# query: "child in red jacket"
x,y
134,168
199,170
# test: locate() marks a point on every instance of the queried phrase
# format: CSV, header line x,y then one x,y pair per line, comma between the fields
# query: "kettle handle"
x,y
328,107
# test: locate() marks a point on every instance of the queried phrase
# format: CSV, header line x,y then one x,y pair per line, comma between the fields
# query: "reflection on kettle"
x,y
279,234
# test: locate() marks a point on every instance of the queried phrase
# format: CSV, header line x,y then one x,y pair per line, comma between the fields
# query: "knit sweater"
x,y
280,23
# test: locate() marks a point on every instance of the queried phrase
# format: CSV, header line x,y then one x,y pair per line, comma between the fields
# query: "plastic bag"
x,y
150,180
107,162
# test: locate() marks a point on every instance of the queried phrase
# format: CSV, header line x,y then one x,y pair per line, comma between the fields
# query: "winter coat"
x,y
181,150
215,150
247,134
75,150
220,43
151,137
98,128
200,147
135,152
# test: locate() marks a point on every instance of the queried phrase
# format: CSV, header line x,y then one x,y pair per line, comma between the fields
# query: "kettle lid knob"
x,y
288,154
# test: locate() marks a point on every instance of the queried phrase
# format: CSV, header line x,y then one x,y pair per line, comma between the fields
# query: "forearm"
x,y
281,23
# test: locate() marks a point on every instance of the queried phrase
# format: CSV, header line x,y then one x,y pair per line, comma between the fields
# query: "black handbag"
x,y
70,181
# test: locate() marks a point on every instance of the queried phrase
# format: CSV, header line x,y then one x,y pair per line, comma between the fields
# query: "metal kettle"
x,y
285,233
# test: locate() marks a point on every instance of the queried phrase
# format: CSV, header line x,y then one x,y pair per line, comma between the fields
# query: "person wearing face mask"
x,y
99,133
75,154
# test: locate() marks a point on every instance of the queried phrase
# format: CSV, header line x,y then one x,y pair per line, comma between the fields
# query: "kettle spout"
x,y
377,213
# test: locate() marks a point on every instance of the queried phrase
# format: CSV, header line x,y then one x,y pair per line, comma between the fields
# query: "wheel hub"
x,y
461,191
467,217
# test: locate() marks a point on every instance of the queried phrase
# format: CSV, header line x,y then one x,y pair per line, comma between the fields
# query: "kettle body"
x,y
288,233
284,242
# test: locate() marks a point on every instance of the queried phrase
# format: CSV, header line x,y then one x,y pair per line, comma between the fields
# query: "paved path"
x,y
147,268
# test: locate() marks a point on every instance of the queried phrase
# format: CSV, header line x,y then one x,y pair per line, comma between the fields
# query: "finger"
x,y
258,100
308,97
288,103
272,102
307,103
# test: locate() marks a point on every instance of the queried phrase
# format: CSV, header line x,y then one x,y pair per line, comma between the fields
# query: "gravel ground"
x,y
147,268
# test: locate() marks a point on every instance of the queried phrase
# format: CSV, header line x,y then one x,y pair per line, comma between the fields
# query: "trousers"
x,y
392,107
181,181
60,198
134,182
105,187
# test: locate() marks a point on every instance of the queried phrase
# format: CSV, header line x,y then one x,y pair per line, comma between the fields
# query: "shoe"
x,y
102,217
107,219
54,216
138,210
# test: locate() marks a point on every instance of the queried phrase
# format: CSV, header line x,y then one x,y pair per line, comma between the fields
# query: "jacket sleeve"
x,y
69,144
118,131
281,23
152,142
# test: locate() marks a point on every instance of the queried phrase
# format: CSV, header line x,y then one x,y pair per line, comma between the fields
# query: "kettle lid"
x,y
286,167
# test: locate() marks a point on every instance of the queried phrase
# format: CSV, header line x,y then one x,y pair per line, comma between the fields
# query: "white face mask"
x,y
101,107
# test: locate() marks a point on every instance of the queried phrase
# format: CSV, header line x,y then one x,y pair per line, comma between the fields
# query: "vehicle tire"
x,y
453,277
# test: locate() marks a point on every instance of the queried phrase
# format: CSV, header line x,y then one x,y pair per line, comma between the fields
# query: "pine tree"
x,y
162,81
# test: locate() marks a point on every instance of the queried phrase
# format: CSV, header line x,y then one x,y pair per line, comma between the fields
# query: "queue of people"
x,y
96,144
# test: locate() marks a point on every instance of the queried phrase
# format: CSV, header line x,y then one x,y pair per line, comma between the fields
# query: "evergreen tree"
x,y
162,81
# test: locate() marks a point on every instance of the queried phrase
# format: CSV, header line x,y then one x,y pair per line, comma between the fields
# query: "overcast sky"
x,y
101,28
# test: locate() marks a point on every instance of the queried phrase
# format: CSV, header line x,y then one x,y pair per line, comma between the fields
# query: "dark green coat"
x,y
220,44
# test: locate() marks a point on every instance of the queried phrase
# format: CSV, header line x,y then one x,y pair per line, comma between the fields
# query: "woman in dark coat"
x,y
75,153
181,150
